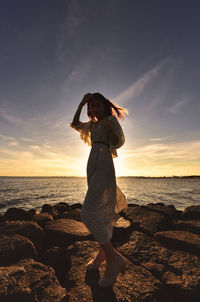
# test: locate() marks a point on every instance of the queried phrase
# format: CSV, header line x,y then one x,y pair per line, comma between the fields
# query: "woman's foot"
x,y
112,271
96,262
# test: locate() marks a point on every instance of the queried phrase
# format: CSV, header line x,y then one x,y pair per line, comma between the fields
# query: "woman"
x,y
104,199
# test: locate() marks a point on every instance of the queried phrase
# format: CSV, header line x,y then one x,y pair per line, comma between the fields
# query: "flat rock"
x,y
138,284
178,270
180,240
29,229
29,280
187,225
14,248
64,231
147,219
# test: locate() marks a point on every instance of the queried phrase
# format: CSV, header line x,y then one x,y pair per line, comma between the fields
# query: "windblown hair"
x,y
109,107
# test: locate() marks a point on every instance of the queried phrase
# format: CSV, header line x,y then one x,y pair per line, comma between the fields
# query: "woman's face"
x,y
97,109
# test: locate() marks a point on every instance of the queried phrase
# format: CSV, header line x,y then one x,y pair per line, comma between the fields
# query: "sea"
x,y
33,192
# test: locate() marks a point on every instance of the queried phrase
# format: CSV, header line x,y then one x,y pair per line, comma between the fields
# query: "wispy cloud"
x,y
156,139
12,119
161,159
174,108
137,87
13,143
25,139
75,15
35,147
184,150
6,137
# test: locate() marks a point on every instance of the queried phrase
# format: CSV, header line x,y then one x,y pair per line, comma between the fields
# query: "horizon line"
x,y
139,176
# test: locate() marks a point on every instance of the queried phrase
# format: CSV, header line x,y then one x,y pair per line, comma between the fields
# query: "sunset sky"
x,y
143,55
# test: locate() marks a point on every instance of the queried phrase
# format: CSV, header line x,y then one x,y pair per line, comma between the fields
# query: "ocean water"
x,y
33,192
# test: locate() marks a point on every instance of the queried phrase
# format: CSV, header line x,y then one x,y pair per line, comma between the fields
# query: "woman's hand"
x,y
86,98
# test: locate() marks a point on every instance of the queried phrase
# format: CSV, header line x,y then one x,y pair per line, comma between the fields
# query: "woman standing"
x,y
103,200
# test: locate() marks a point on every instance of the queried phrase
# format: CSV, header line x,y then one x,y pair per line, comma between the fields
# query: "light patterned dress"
x,y
103,200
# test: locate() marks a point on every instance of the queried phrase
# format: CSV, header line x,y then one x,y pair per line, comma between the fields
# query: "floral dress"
x,y
103,200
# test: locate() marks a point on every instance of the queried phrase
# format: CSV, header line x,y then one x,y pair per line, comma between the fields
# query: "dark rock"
x,y
72,214
76,206
42,218
29,280
138,284
64,231
144,250
180,240
122,231
191,213
46,208
32,212
29,229
187,225
1,218
16,214
147,219
179,271
169,211
62,207
14,248
59,259
132,205
183,278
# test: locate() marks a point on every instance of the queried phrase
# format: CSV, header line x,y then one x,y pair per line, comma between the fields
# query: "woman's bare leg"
x,y
100,257
111,258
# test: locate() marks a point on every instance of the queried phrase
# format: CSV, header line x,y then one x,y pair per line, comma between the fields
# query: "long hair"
x,y
109,107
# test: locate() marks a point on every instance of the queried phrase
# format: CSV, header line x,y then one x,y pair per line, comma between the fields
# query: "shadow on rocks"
x,y
99,294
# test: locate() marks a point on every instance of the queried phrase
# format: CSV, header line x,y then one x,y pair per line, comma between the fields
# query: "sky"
x,y
141,54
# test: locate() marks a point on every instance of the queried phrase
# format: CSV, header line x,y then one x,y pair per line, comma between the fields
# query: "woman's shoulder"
x,y
112,117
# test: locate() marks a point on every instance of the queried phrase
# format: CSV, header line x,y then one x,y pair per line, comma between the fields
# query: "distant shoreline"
x,y
184,176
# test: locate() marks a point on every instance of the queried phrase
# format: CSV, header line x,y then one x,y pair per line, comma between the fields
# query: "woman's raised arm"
x,y
85,99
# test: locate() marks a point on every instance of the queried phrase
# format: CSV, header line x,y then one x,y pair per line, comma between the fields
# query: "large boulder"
x,y
180,240
168,210
62,207
147,219
14,248
29,280
63,210
144,251
17,214
64,231
28,229
191,213
178,270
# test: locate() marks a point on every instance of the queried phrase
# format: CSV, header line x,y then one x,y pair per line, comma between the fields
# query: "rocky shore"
x,y
43,255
